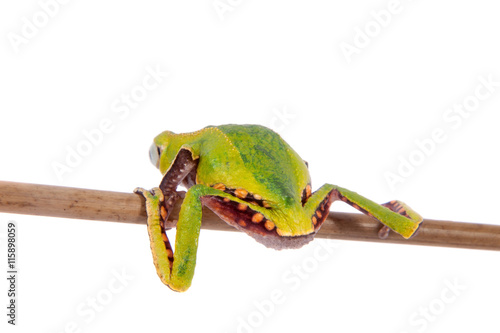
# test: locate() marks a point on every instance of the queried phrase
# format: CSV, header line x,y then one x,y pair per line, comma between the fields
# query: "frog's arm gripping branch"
x,y
66,202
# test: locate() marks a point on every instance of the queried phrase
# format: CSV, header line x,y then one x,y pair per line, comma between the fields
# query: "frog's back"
x,y
271,160
258,146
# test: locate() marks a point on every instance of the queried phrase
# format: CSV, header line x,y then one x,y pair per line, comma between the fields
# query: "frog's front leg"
x,y
159,203
176,268
161,249
394,215
183,165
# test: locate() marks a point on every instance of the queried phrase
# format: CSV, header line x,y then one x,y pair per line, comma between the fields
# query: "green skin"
x,y
252,179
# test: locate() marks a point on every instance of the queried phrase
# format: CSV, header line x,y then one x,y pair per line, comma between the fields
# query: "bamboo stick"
x,y
76,203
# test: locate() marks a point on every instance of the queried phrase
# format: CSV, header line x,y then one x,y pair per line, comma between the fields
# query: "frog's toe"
x,y
383,233
141,190
154,193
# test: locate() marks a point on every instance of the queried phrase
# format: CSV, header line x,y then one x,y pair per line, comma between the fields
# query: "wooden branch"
x,y
75,203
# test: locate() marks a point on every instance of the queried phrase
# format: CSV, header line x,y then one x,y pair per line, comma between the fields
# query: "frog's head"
x,y
159,145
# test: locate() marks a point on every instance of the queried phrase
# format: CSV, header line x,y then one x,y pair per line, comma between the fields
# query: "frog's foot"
x,y
165,202
402,209
152,197
395,215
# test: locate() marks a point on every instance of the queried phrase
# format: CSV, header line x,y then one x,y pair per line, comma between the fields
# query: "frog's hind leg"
x,y
394,215
402,209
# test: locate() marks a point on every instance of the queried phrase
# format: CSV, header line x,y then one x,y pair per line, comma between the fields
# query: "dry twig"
x,y
75,203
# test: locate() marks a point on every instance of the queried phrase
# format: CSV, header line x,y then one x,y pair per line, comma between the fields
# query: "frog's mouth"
x,y
255,224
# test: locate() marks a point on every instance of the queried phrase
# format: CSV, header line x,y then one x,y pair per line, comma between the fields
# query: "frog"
x,y
254,181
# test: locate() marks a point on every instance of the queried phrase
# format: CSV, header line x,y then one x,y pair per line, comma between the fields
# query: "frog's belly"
x,y
242,220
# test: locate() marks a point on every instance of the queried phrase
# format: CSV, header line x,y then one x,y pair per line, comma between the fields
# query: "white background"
x,y
279,64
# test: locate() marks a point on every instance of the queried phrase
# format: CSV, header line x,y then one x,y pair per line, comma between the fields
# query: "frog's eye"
x,y
307,164
154,154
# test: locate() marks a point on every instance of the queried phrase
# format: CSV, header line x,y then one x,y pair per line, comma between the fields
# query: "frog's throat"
x,y
255,224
